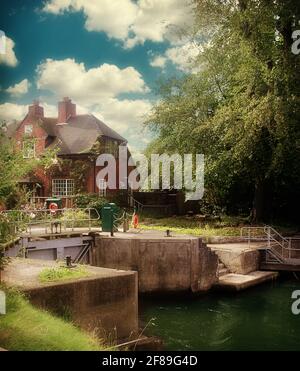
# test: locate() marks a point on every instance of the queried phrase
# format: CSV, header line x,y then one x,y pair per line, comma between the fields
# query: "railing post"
x,y
89,219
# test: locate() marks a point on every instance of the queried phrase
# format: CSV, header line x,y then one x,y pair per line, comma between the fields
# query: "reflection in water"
x,y
257,319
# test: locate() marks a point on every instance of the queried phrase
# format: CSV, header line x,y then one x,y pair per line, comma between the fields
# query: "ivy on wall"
x,y
73,169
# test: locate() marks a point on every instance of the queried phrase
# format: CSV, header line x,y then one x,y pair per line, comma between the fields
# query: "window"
x,y
63,187
28,129
28,149
102,187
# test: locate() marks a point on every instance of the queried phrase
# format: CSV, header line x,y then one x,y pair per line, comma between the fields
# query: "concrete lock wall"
x,y
239,262
164,264
107,306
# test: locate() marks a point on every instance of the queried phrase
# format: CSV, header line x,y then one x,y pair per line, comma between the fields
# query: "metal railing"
x,y
25,220
253,234
279,247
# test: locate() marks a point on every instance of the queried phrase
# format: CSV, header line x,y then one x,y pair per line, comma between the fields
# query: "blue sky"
x,y
107,55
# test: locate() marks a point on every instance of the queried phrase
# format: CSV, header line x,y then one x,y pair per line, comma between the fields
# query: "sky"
x,y
106,55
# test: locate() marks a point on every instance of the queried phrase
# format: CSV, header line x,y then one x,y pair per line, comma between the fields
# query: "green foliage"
x,y
5,228
62,273
76,169
92,201
6,235
242,109
14,167
25,328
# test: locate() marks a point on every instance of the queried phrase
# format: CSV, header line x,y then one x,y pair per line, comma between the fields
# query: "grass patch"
x,y
227,227
62,274
25,328
205,231
192,227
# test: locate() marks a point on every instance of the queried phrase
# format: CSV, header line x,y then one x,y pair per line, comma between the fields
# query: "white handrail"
x,y
273,238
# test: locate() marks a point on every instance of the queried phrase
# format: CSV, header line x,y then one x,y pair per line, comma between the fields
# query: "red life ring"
x,y
53,208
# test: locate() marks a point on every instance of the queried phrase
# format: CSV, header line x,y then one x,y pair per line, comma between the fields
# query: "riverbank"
x,y
26,328
104,301
256,319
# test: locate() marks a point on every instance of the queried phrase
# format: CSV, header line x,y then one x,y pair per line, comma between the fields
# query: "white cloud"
x,y
182,56
123,115
12,111
68,78
112,17
159,20
9,58
20,88
158,61
127,20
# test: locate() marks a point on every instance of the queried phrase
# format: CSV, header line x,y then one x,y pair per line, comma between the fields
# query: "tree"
x,y
242,108
14,167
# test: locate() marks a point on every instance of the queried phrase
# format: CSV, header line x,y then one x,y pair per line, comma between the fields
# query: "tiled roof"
x,y
78,135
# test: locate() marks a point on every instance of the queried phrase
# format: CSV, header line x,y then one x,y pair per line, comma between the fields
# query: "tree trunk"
x,y
258,202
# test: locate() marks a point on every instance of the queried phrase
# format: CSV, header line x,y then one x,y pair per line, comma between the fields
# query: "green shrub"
x,y
92,201
5,228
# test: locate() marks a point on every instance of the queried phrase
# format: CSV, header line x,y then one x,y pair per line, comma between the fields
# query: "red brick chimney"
x,y
66,109
35,111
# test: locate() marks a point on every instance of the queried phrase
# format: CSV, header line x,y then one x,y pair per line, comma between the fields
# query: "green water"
x,y
257,319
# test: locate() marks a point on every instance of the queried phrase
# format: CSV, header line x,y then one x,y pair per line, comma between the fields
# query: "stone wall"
x,y
239,262
163,264
105,306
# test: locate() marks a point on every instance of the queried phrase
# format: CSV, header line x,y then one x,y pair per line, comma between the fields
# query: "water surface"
x,y
257,319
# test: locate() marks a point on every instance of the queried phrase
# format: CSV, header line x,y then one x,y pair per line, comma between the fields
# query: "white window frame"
x,y
28,129
63,187
102,186
28,153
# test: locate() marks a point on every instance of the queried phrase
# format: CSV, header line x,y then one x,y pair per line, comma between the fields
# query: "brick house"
x,y
78,140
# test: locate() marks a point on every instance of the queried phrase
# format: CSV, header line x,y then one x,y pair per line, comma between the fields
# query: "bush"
x,y
5,228
91,201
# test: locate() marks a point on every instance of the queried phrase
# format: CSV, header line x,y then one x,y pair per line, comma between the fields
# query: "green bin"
x,y
109,214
